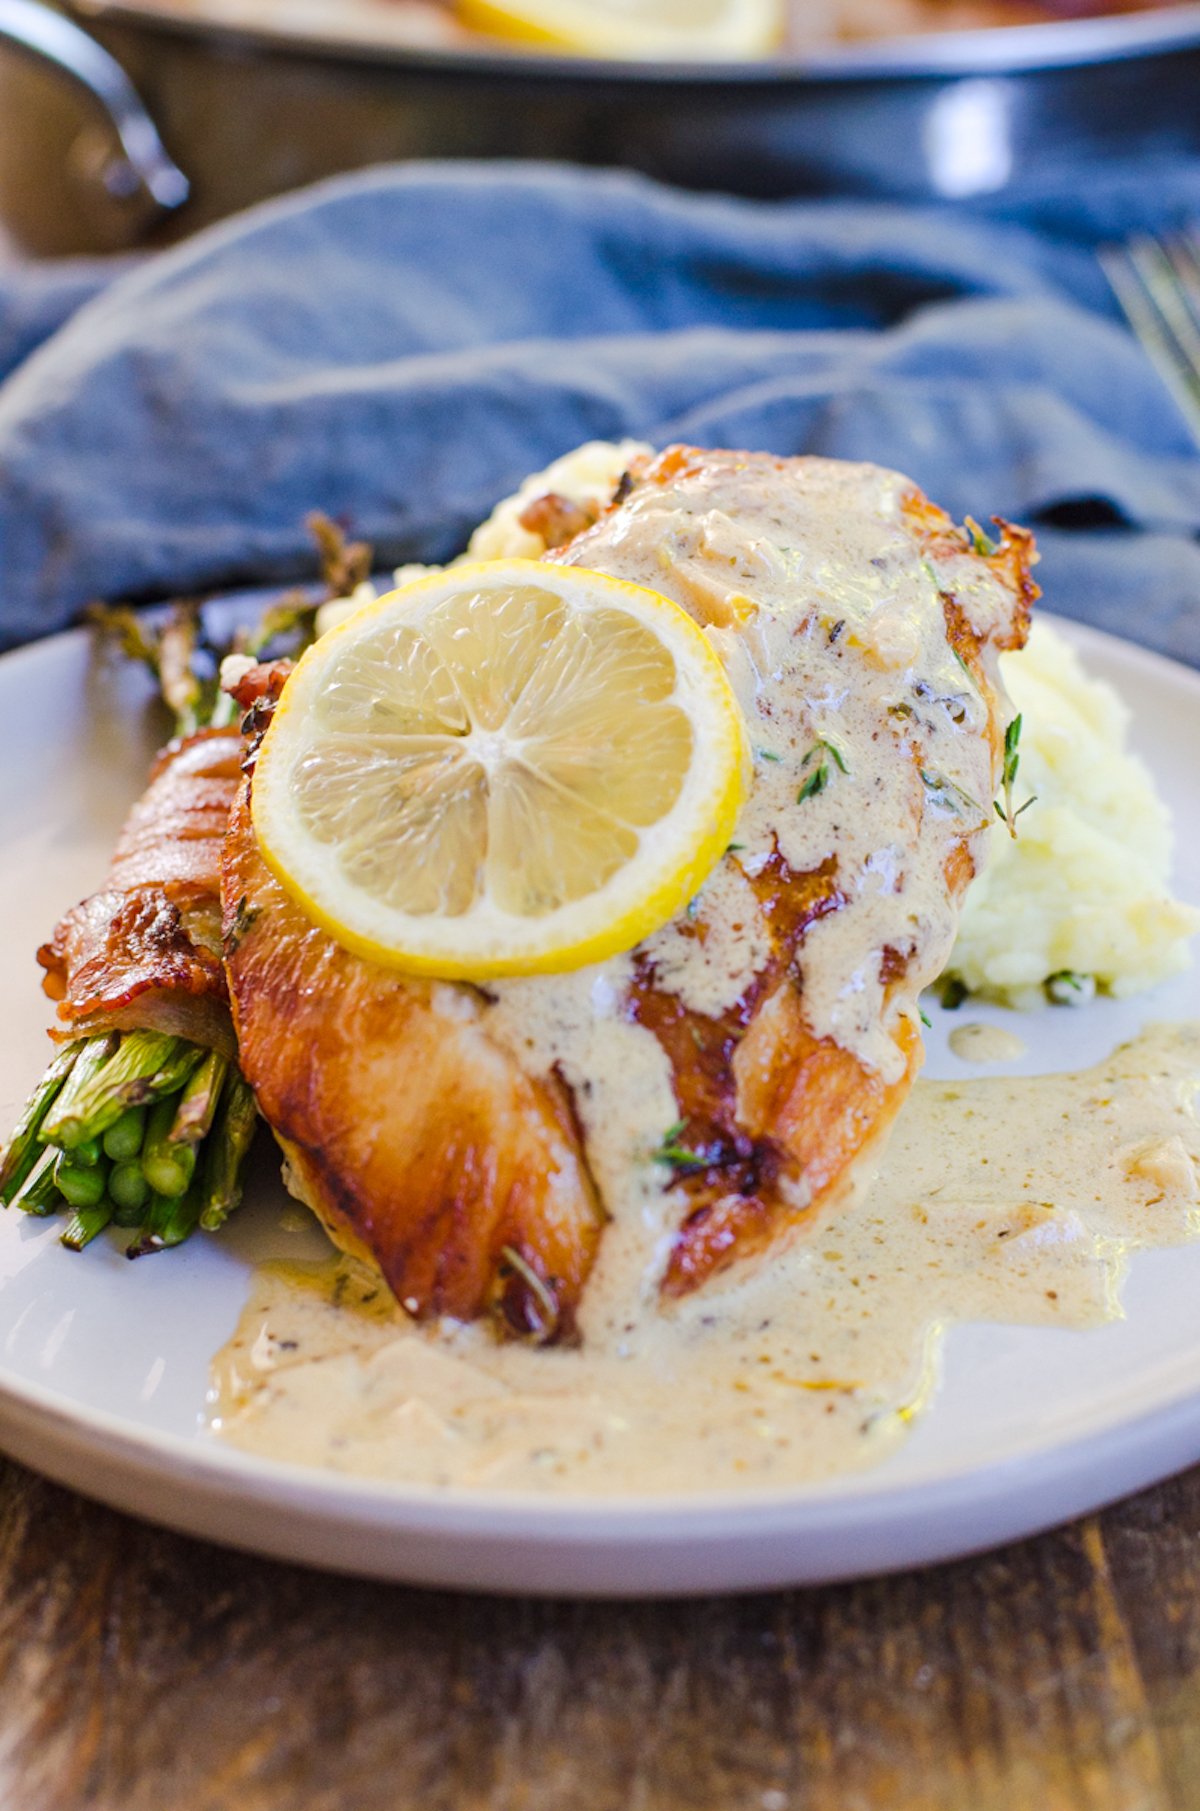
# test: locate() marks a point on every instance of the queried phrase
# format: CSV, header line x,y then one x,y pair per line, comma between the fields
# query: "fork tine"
x,y
1160,274
1184,253
1143,279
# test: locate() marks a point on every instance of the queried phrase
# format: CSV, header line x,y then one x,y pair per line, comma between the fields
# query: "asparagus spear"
x,y
23,1148
130,1192
167,1167
123,1139
198,1102
81,1184
227,1145
38,1194
169,1220
85,1223
148,1065
181,685
169,651
94,1053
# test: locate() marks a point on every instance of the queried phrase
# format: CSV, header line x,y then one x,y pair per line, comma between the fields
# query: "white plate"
x,y
103,1363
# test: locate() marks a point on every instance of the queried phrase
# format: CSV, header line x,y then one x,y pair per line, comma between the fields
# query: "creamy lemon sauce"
x,y
827,613
1000,1199
981,1043
870,752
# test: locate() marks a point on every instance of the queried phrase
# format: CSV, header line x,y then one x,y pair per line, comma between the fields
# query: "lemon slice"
x,y
501,769
635,28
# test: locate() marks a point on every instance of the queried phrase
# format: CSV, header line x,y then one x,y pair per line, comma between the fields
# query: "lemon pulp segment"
x,y
505,768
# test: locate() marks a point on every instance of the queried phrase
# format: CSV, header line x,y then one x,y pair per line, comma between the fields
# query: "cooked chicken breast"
x,y
144,951
419,1142
732,1076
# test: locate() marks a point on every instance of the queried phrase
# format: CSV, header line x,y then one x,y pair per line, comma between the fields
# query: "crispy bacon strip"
x,y
144,951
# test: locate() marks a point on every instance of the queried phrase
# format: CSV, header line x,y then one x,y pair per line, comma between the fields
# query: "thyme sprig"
x,y
678,1156
1008,778
962,661
244,917
946,795
539,1309
821,753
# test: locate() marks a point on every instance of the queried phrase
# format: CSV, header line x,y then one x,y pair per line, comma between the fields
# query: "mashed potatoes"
x,y
1080,900
588,476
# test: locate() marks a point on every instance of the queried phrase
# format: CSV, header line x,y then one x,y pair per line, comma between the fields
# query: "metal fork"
x,y
1157,283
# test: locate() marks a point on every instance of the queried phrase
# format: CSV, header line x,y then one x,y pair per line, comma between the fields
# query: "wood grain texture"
x,y
143,1672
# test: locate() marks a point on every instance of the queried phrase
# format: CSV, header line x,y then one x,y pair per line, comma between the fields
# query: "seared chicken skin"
x,y
143,953
460,1138
420,1144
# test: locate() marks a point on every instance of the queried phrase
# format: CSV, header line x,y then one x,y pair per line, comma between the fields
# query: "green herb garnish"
x,y
540,1312
946,795
1067,988
1008,777
814,784
244,916
679,1156
980,542
821,753
966,669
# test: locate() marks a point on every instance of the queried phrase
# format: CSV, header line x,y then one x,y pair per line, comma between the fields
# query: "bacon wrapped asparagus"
x,y
142,1119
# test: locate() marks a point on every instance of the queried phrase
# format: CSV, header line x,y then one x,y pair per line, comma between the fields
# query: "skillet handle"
x,y
141,167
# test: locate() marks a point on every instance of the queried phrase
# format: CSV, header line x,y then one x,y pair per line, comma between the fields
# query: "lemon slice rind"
x,y
673,855
736,29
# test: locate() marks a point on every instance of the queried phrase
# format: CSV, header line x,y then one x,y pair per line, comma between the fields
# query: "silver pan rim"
x,y
1001,50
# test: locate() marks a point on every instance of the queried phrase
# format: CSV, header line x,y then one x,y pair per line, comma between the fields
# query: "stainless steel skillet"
x,y
252,97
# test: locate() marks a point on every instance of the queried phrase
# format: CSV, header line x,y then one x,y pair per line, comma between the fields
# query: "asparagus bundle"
x,y
137,1129
136,1124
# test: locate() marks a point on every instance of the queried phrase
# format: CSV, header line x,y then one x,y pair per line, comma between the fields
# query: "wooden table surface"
x,y
140,1671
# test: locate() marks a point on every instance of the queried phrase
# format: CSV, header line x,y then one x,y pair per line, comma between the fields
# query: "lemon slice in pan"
x,y
683,29
506,768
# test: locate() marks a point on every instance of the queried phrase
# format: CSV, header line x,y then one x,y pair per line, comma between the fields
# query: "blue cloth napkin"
x,y
400,347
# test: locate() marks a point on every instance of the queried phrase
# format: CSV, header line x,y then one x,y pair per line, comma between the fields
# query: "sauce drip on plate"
x,y
1006,1199
983,1043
